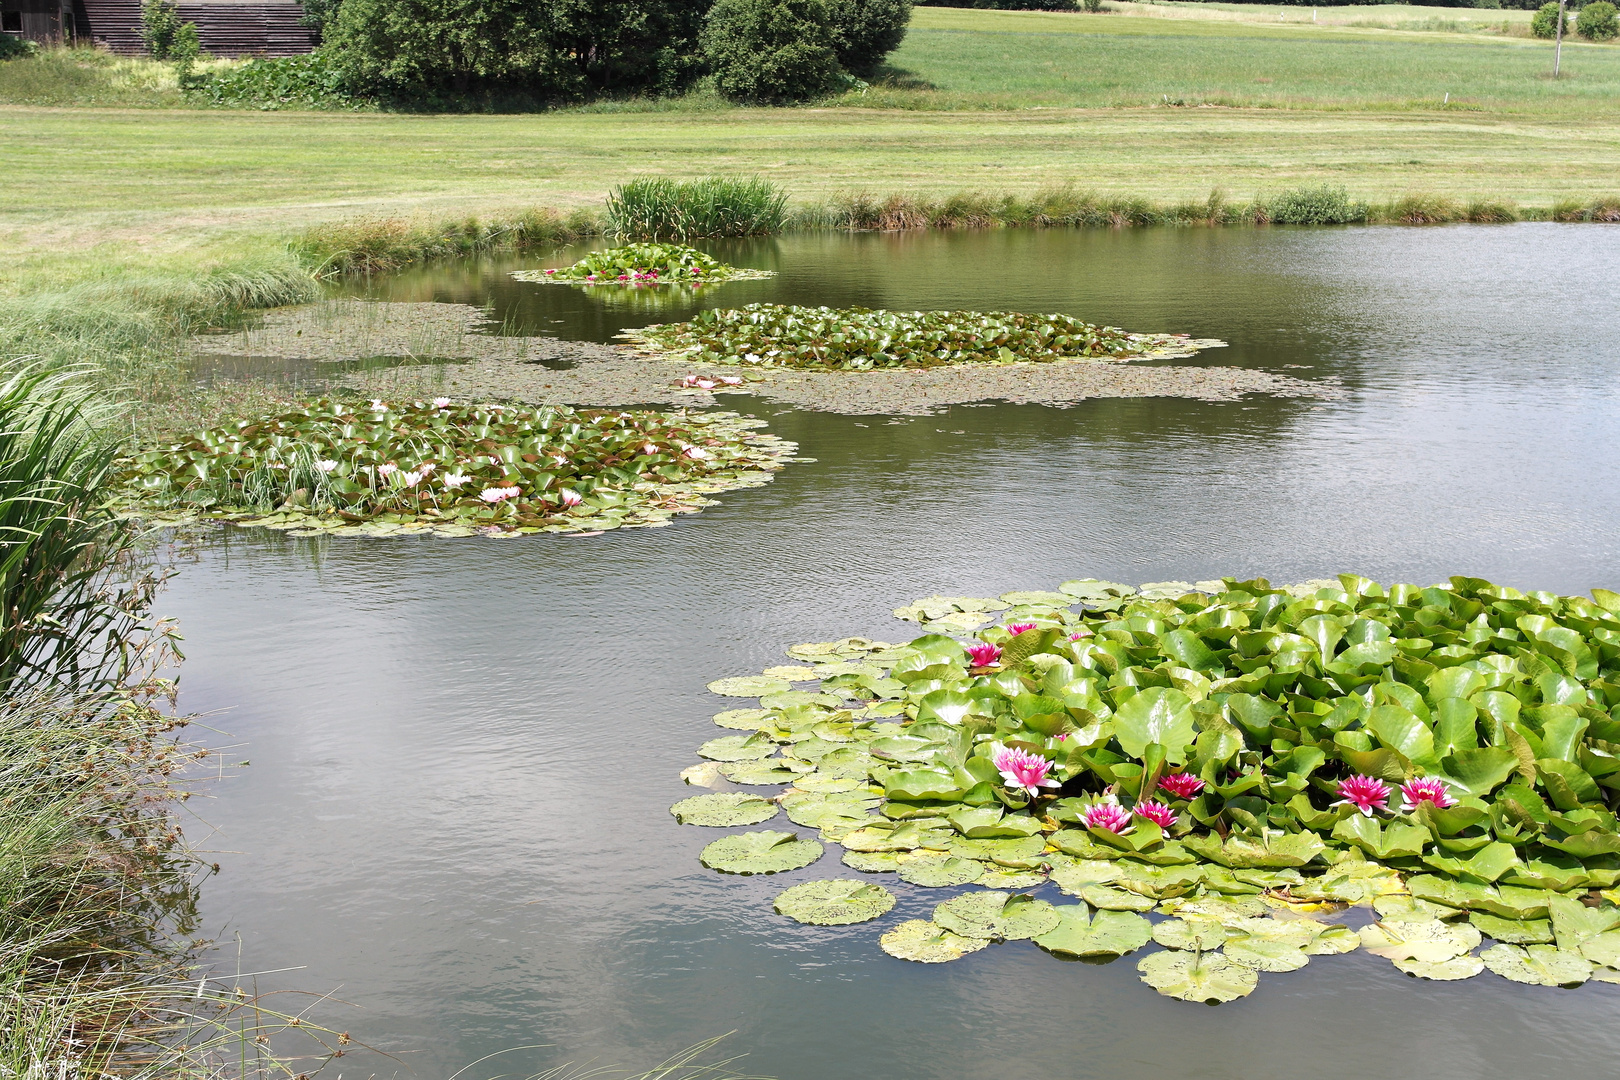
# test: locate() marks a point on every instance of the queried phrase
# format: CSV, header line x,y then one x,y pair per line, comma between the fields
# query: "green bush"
x,y
461,53
773,52
868,30
657,208
15,48
294,82
1006,5
1597,22
1319,205
160,23
1545,22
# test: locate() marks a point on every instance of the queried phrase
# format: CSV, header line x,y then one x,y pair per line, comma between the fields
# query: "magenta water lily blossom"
x,y
1157,812
1425,789
1107,814
1364,793
1022,770
983,654
1016,628
1181,785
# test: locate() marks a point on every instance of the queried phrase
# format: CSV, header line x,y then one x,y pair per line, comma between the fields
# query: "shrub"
x,y
773,52
868,30
15,48
320,14
160,23
1597,22
1545,22
293,82
1010,5
657,208
1319,205
629,46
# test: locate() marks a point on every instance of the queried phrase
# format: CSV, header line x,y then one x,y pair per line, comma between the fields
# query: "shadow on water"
x,y
463,751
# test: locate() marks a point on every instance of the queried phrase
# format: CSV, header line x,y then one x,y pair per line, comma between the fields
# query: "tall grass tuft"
x,y
657,208
378,245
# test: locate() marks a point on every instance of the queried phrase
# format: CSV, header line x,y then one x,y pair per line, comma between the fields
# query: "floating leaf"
x,y
837,902
1458,967
765,852
1512,931
1431,942
1110,933
940,871
1539,965
748,686
1266,954
1101,896
791,673
1194,934
761,773
1189,976
872,862
723,808
926,943
738,747
742,719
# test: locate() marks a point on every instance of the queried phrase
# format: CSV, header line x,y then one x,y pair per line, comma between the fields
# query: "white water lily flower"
x,y
570,497
696,453
377,405
426,468
387,470
441,403
411,478
325,465
498,494
454,480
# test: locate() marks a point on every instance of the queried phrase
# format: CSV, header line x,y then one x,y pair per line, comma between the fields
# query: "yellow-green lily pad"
x,y
765,852
724,808
1192,976
838,902
924,942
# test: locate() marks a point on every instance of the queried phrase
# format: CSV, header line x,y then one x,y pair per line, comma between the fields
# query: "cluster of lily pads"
x,y
861,339
387,468
1233,771
643,264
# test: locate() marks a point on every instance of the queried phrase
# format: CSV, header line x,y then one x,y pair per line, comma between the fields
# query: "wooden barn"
x,y
226,27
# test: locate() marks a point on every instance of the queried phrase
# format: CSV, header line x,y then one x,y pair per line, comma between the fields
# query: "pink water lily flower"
x,y
387,470
1364,793
1080,634
983,654
731,380
1157,812
551,271
1016,628
426,468
1425,789
569,497
441,403
1107,814
498,494
1022,770
1181,785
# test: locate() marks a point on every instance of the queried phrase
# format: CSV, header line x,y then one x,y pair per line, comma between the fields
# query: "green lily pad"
x,y
1027,917
748,686
825,782
738,747
940,871
974,914
1266,954
723,809
926,943
1513,931
1109,933
765,852
761,773
873,862
1190,976
998,877
1192,934
792,673
1215,908
1101,896
1430,942
742,719
837,902
1539,965
1458,967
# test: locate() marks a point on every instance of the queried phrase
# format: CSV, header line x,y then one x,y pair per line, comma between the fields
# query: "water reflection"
x,y
463,752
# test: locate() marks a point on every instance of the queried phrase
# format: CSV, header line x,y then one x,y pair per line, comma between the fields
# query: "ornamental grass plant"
x,y
658,208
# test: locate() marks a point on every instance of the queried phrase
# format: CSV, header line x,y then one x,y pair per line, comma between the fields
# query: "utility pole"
x,y
1558,48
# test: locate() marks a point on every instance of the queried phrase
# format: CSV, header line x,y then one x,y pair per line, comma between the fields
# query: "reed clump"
x,y
378,245
658,208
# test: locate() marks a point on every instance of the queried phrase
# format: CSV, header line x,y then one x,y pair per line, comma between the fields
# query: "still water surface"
x,y
462,752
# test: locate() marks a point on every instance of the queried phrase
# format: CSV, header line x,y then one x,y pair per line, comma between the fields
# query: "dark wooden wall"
x,y
226,27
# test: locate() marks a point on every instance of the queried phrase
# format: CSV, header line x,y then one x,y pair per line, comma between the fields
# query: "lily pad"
x,y
762,773
1539,965
927,943
1101,896
1513,931
792,673
748,686
724,809
997,877
1431,942
742,719
940,871
1191,934
738,747
837,902
765,852
872,862
1458,967
1266,954
1190,976
1109,933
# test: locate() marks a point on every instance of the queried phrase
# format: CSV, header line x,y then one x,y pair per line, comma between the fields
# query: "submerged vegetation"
x,y
859,339
453,470
643,264
1242,760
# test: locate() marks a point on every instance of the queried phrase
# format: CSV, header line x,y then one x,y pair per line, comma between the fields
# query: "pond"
x,y
463,752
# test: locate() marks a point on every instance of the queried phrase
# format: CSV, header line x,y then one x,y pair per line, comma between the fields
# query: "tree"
x,y
639,46
866,31
1597,22
772,52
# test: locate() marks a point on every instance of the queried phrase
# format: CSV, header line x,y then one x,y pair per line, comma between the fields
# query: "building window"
x,y
11,22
